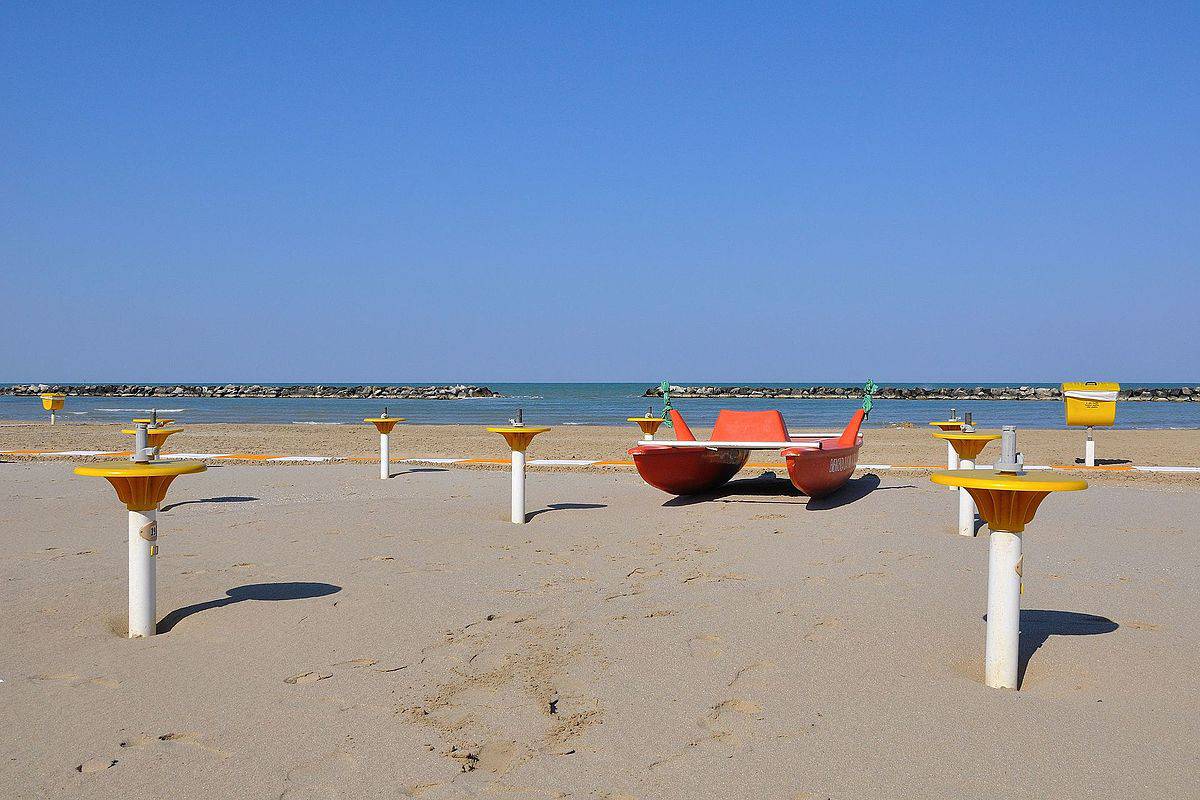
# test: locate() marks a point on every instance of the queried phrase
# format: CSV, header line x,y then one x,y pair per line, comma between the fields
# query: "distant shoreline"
x,y
1027,392
1144,393
258,390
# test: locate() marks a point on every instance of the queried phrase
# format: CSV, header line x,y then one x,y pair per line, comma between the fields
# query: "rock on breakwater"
x,y
447,392
1160,393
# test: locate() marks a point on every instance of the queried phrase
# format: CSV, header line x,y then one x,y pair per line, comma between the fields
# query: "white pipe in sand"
x,y
1003,610
1089,450
143,552
518,487
384,463
966,505
951,458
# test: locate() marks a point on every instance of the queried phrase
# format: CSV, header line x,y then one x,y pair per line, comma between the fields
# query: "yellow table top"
x,y
948,423
384,419
52,394
645,419
132,469
959,436
155,431
514,429
147,421
998,481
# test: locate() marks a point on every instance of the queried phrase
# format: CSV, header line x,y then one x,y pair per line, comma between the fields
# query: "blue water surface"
x,y
583,404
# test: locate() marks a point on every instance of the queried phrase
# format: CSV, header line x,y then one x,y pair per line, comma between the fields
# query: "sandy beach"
x,y
326,634
894,446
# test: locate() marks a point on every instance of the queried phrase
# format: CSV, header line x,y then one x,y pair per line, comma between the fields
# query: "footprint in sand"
x,y
822,627
140,741
192,739
378,558
358,662
496,758
331,776
730,722
93,765
705,646
753,673
308,677
243,565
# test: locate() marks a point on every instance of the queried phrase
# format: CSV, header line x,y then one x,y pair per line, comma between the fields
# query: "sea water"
x,y
588,404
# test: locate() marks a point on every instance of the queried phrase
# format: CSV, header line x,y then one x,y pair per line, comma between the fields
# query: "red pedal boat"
x,y
818,464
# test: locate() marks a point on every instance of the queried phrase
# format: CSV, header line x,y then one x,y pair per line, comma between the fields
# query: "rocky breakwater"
x,y
1160,393
447,392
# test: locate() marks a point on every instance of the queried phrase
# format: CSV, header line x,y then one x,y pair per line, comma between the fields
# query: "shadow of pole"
x,y
270,592
564,507
1038,625
232,499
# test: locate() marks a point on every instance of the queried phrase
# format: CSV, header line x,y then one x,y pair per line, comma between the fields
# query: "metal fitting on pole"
x,y
1010,460
141,444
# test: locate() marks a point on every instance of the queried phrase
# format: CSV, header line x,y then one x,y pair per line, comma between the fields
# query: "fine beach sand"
x,y
331,635
893,446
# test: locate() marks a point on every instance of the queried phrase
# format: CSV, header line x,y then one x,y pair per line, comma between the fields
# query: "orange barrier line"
x,y
613,464
483,461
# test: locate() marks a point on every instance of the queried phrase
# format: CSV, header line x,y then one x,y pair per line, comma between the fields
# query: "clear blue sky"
x,y
494,191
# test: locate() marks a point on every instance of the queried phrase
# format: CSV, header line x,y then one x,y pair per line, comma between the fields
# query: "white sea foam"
x,y
146,410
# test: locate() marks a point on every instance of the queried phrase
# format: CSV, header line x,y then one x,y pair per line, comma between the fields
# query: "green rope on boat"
x,y
665,388
869,388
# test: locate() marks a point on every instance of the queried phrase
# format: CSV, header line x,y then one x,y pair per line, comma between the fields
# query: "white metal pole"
x,y
518,487
951,458
966,505
52,416
1003,611
384,463
1089,450
143,552
649,437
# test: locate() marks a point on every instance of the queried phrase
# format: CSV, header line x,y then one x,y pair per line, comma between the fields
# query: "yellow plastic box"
x,y
1096,405
52,401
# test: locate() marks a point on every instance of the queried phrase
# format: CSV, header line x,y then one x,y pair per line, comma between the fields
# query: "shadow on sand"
x,y
770,485
1037,626
232,499
1107,462
564,507
252,591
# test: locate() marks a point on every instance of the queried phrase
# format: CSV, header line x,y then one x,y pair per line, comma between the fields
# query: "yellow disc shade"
x,y
1007,502
648,424
141,487
967,445
949,424
53,401
518,438
159,421
384,424
155,437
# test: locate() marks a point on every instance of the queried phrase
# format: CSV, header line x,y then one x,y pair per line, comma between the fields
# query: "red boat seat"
x,y
749,426
850,434
682,432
